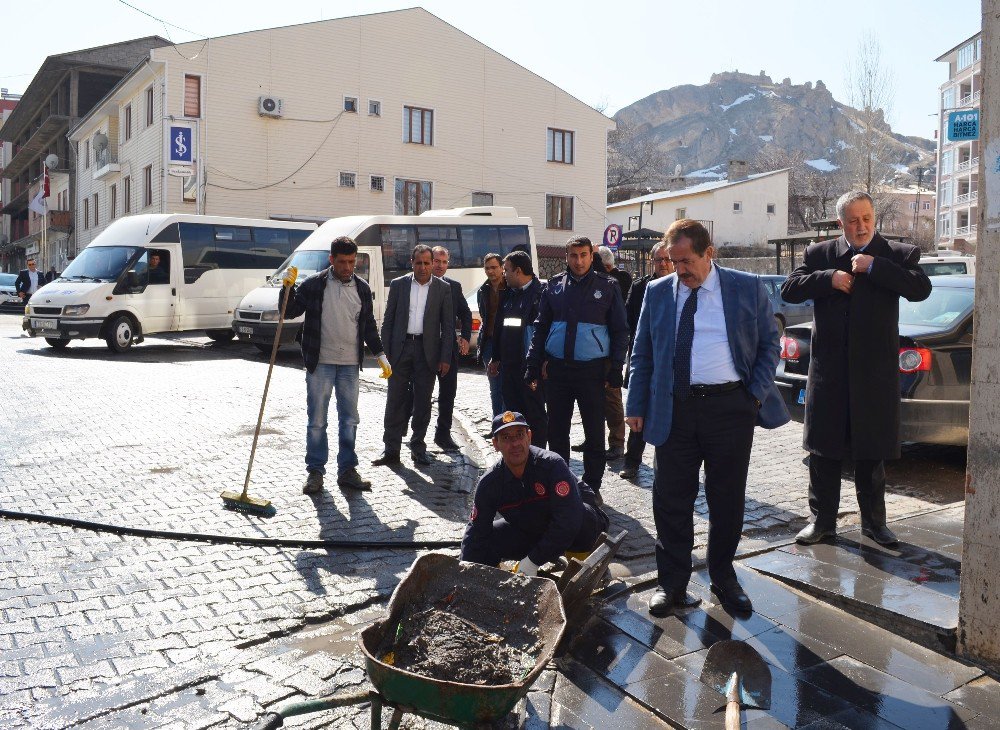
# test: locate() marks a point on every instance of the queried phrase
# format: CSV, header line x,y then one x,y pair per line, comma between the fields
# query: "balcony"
x,y
967,165
967,198
966,231
970,99
106,164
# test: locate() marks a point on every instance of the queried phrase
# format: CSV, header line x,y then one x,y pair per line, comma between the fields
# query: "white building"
x,y
742,210
958,162
392,112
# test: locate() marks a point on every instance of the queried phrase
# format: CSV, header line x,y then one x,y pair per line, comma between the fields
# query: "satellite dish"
x,y
52,161
100,141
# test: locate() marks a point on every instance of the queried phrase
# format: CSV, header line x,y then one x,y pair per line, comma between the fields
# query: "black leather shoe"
x,y
630,472
732,596
350,479
314,482
880,534
446,442
812,534
386,458
578,447
420,456
663,604
614,453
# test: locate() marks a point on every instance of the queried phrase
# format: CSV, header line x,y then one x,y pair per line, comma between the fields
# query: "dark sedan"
x,y
935,364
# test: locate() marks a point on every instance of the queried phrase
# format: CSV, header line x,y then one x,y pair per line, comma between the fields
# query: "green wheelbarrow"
x,y
527,612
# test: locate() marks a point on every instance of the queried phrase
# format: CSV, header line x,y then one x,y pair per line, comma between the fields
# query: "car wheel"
x,y
220,335
120,333
781,325
57,344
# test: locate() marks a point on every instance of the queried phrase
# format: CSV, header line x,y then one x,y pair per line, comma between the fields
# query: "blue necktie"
x,y
682,348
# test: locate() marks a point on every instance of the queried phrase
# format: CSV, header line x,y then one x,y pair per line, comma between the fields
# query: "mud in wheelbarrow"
x,y
526,612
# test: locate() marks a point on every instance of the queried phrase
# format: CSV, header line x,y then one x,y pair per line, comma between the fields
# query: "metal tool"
x,y
244,502
737,671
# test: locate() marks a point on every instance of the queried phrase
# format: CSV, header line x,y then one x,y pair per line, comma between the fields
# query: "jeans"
x,y
496,388
320,384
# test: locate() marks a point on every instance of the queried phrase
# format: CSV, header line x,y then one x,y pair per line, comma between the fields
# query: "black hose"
x,y
229,539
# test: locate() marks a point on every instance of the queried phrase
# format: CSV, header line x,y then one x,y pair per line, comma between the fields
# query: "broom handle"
x,y
267,384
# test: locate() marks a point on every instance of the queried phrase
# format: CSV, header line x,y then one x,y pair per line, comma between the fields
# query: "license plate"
x,y
802,397
44,324
245,330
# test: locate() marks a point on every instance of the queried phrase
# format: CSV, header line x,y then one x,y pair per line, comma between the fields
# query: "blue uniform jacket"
x,y
580,321
753,341
544,503
515,323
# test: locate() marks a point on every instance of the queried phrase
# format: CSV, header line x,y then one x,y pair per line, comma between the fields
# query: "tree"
x,y
811,193
635,161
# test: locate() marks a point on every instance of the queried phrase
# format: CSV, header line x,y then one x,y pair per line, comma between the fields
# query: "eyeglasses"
x,y
661,260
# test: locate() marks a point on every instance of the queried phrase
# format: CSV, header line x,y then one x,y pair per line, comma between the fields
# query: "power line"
x,y
161,20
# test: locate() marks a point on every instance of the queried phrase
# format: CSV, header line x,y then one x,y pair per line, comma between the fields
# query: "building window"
x,y
418,125
913,206
948,98
86,154
559,212
374,108
113,204
128,122
946,158
147,186
967,56
945,194
482,198
377,184
149,106
413,197
559,147
925,205
944,225
86,213
737,206
192,96
351,104
771,208
681,213
347,179
95,210
127,192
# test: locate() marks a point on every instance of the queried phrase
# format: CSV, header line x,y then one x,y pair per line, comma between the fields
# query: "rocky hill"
x,y
737,116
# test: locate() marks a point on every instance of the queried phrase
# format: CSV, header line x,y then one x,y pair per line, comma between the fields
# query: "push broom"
x,y
244,502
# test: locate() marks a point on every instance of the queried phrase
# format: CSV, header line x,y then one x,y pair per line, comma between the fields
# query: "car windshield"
x,y
8,279
940,310
943,269
100,263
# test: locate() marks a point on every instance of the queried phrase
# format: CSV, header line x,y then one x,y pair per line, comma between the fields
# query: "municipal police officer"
x,y
529,507
581,336
514,324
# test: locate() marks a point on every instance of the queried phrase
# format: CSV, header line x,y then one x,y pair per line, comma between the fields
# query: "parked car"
x,y
944,264
9,300
935,364
477,322
786,314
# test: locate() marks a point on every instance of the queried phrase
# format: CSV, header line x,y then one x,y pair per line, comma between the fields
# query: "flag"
x,y
38,204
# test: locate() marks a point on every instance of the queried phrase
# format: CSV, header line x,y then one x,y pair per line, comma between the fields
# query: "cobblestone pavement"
x,y
102,630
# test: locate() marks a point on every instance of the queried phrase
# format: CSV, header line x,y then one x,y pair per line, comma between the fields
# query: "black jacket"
x,y
463,315
483,305
23,281
512,340
624,280
309,299
633,307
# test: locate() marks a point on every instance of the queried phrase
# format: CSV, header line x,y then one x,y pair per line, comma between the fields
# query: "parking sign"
x,y
613,236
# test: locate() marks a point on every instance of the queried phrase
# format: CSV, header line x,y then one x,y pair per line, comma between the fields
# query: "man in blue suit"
x,y
701,378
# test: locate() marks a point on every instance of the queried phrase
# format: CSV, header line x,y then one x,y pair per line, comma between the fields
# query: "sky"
x,y
607,54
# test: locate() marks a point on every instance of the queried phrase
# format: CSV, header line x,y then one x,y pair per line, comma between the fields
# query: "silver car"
x,y
786,314
9,301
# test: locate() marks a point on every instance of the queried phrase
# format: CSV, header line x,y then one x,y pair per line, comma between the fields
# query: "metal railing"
x,y
969,99
967,165
966,230
967,198
105,157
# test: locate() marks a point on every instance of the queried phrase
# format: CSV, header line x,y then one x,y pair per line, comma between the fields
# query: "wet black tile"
x,y
912,663
770,597
979,695
714,619
682,698
949,522
886,696
582,699
619,657
913,540
853,719
668,636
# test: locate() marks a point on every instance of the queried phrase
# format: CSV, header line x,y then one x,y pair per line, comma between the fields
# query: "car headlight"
x,y
27,309
76,309
269,315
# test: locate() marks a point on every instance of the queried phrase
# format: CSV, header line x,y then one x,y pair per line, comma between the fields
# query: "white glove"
x,y
526,567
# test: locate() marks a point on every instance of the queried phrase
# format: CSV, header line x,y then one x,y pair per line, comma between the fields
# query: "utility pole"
x,y
916,206
979,600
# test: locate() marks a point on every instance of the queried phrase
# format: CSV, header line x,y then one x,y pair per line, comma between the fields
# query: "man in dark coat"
x,y
852,395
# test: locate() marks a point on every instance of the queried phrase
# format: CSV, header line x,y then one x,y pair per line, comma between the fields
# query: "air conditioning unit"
x,y
269,106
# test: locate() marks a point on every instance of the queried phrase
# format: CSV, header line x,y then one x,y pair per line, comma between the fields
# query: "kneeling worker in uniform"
x,y
529,506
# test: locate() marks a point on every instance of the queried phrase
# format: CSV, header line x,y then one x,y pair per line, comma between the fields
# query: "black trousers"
x,y
634,447
824,490
517,396
447,389
511,543
716,431
409,373
582,385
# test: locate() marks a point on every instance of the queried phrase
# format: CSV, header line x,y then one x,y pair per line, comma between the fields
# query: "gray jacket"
x,y
439,321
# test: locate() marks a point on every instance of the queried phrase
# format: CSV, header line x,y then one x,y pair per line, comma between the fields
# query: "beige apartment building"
x,y
395,112
958,161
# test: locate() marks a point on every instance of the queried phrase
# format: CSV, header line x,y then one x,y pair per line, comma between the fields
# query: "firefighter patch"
x,y
539,489
562,489
598,294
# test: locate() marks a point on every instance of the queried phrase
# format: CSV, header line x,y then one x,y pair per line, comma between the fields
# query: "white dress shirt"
x,y
711,358
418,303
35,279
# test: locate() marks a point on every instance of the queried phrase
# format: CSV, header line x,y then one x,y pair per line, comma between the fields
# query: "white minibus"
x,y
385,244
160,273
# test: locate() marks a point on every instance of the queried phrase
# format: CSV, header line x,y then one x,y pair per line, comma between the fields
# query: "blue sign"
x,y
180,144
613,236
963,125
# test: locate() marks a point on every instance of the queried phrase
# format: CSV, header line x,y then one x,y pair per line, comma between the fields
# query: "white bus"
x,y
206,265
385,244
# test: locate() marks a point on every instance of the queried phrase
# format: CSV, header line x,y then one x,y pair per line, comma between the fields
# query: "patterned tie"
x,y
682,349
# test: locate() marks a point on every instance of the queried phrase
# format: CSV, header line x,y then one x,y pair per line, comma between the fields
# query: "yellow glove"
x,y
386,368
291,274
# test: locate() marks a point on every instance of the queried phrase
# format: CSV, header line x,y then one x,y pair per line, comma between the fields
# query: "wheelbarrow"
x,y
527,612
